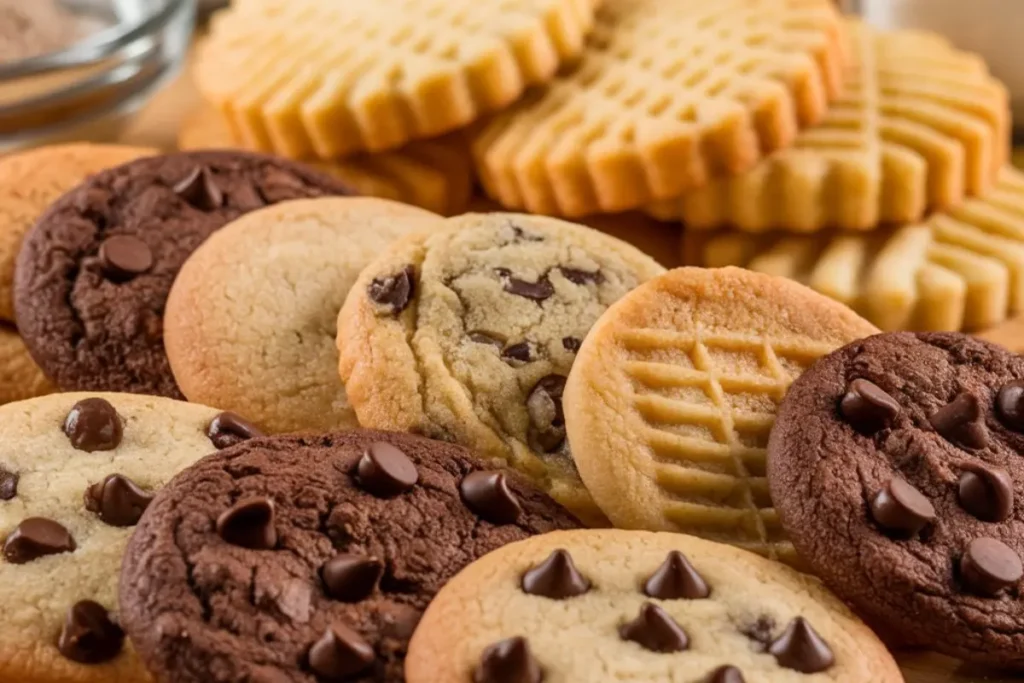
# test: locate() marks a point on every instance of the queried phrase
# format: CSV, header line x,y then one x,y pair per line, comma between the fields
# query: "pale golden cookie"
x,y
20,377
670,402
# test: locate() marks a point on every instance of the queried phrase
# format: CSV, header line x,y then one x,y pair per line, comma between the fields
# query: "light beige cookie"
x,y
467,334
673,394
251,321
610,606
20,377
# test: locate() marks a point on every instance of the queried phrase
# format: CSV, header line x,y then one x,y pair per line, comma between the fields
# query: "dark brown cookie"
x,y
312,558
94,273
897,467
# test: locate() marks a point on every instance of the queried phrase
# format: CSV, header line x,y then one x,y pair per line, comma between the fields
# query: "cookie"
x,y
919,126
899,457
251,321
668,95
436,175
20,377
467,334
405,71
306,558
609,606
76,471
674,391
961,269
94,273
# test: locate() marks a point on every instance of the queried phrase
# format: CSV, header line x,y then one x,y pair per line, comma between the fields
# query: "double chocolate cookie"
x,y
897,466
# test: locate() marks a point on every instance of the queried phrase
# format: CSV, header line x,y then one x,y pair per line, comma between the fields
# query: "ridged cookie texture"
x,y
961,269
669,405
920,126
668,95
307,78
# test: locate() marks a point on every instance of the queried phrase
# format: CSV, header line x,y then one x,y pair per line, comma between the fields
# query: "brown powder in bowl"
x,y
29,28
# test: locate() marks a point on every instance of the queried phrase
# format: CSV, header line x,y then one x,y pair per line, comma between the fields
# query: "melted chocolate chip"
x,y
508,661
340,653
547,421
986,492
571,344
961,422
394,291
93,425
518,354
37,537
385,471
676,579
8,484
901,508
540,290
351,578
654,630
581,277
867,408
988,566
199,188
487,494
123,257
484,338
801,648
726,674
229,429
556,577
89,635
117,500
249,523
1010,405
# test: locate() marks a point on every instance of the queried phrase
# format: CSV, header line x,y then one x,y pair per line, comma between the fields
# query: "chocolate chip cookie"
x,y
312,557
896,467
94,272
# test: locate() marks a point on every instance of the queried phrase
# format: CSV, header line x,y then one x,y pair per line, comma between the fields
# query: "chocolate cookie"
x,y
94,272
311,558
896,466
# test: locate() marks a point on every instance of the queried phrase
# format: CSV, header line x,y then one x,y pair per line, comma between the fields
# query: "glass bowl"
x,y
90,89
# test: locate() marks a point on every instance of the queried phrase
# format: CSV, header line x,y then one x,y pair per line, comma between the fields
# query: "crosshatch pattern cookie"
x,y
608,606
962,269
669,94
467,334
895,465
919,126
669,405
311,558
407,70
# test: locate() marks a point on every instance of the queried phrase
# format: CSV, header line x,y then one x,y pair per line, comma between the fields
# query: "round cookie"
x,y
673,394
607,606
896,467
467,334
20,377
251,321
311,557
93,274
76,470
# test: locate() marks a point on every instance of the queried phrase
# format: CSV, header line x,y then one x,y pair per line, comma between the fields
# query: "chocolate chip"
x,y
1010,405
525,236
654,630
961,422
901,508
117,500
37,537
726,674
8,484
676,579
385,471
93,425
988,566
229,429
89,635
581,277
986,492
556,578
518,353
249,523
488,495
484,338
571,344
199,188
340,653
508,661
547,421
394,291
867,408
351,578
801,648
123,257
537,291
760,631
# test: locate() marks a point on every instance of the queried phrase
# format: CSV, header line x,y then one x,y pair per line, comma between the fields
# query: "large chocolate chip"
x,y
123,257
537,291
394,291
654,630
229,429
581,277
385,471
801,648
571,344
351,578
676,579
89,635
901,508
988,566
547,421
199,188
93,425
961,422
556,577
517,354
249,523
8,484
37,537
488,495
726,674
117,500
1010,405
340,653
867,408
508,661
986,492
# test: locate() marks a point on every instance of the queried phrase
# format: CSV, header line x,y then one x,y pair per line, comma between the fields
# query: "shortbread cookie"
x,y
20,377
252,318
76,472
467,334
311,558
436,175
404,71
920,126
668,95
94,273
962,269
896,467
673,394
610,606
